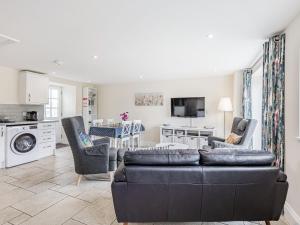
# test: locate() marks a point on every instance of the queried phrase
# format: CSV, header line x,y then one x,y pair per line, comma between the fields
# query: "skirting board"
x,y
291,217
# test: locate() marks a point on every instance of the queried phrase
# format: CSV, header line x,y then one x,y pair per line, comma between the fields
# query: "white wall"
x,y
292,119
9,87
117,98
9,90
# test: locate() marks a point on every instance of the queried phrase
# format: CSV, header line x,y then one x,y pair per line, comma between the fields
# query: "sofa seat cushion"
x,y
186,157
236,157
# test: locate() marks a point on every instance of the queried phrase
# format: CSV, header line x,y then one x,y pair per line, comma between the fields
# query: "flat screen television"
x,y
188,107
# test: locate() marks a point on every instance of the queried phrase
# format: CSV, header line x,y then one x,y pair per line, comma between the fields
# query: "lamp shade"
x,y
225,104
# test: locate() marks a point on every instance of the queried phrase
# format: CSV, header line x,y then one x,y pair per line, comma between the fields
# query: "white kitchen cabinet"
x,y
33,88
47,139
2,146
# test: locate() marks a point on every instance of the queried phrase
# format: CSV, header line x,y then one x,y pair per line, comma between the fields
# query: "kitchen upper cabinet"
x,y
33,88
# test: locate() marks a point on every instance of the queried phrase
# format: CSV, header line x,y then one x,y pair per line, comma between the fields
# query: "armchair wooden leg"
x,y
268,222
79,179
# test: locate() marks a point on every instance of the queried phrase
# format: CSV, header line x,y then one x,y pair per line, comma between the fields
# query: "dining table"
x,y
111,131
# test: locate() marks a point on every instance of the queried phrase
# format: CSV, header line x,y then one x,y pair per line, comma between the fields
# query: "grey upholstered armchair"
x,y
96,159
241,127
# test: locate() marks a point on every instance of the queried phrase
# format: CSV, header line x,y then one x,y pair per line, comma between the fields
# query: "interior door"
x,y
53,110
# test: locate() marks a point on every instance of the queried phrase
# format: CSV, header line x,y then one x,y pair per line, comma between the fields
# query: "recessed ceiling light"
x,y
58,62
95,57
141,77
210,36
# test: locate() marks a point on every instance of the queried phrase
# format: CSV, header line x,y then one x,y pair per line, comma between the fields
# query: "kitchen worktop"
x,y
28,122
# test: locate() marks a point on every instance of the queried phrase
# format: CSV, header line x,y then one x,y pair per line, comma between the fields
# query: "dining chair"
x,y
97,123
110,122
124,138
136,133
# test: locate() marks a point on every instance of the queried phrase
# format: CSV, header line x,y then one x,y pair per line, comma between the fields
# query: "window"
x,y
53,108
257,106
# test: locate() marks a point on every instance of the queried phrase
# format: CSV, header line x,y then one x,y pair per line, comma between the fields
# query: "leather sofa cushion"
x,y
236,157
187,157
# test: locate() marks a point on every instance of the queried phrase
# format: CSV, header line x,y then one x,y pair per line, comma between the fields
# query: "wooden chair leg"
x,y
79,179
268,222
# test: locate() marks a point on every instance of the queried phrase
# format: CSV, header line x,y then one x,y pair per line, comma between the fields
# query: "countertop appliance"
x,y
21,144
31,116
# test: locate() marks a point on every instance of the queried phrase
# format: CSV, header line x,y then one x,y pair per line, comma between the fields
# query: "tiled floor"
x,y
44,193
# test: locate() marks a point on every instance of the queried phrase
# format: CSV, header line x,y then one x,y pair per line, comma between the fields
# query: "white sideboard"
x,y
194,137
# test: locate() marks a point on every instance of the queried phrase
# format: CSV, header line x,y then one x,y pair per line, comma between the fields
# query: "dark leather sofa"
x,y
191,186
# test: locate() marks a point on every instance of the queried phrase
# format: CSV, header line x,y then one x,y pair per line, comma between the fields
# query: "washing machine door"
x,y
23,143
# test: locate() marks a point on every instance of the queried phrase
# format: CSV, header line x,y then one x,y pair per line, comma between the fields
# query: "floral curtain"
x,y
273,124
247,100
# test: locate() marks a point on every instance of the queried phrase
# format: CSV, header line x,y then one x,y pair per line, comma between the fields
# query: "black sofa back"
x,y
215,189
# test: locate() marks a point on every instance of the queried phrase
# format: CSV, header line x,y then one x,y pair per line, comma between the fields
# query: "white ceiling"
x,y
156,39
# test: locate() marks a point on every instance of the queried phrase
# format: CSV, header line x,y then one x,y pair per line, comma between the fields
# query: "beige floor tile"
x,y
43,186
19,172
71,189
94,194
30,181
58,213
5,187
7,179
73,222
83,189
8,214
64,179
101,213
13,197
19,219
39,202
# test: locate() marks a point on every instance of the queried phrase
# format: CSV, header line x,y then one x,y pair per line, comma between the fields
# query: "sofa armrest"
x,y
100,141
219,144
97,150
213,138
282,177
120,175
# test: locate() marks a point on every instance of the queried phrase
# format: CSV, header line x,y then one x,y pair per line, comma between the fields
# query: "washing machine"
x,y
21,144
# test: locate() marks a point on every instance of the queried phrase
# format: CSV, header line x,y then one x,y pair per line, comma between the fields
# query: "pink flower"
x,y
124,116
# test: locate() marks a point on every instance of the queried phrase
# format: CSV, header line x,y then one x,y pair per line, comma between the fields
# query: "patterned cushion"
x,y
85,139
233,139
